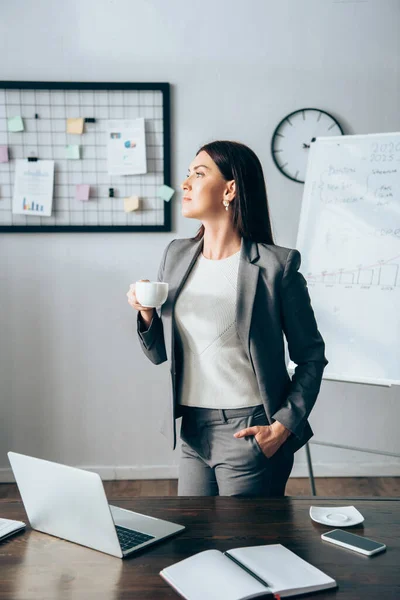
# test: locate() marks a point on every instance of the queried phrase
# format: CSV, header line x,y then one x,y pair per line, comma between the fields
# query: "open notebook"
x,y
244,573
8,527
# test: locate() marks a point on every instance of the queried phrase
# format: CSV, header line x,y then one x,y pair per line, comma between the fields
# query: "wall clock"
x,y
293,136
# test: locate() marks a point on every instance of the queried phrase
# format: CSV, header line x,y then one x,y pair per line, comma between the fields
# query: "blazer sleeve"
x,y
152,338
305,344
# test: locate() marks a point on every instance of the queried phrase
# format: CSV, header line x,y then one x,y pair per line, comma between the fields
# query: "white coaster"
x,y
339,516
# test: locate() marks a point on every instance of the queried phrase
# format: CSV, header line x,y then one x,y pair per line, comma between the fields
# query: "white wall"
x,y
75,386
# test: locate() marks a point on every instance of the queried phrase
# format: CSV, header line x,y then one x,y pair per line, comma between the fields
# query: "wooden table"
x,y
41,567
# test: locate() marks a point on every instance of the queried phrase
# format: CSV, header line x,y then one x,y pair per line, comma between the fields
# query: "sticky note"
x,y
82,192
3,154
75,126
131,203
72,152
165,192
15,124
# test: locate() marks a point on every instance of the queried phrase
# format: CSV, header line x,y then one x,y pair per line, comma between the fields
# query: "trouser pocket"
x,y
257,419
195,435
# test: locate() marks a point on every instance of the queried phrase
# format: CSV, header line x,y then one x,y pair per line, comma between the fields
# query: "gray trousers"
x,y
214,463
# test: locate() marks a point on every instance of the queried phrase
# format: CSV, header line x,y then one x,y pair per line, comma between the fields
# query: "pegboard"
x,y
45,108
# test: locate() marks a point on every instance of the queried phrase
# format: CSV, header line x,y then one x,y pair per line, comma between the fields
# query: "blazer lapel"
x,y
246,291
181,271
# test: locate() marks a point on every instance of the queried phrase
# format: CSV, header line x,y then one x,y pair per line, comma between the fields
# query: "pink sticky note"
x,y
82,192
3,154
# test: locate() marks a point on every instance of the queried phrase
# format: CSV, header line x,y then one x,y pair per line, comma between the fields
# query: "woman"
x,y
232,295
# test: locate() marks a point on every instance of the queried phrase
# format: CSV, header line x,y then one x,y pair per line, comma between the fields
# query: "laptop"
x,y
71,503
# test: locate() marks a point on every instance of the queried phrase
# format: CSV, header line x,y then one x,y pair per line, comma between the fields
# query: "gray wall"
x,y
75,386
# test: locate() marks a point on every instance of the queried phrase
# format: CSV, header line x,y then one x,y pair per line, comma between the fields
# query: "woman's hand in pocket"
x,y
269,437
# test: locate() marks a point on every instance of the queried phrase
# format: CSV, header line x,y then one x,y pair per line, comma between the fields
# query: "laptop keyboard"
x,y
128,538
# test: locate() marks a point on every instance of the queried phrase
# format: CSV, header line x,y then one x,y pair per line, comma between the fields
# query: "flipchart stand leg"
x,y
310,469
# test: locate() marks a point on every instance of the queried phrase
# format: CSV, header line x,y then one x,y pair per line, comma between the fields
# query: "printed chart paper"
x,y
33,188
126,147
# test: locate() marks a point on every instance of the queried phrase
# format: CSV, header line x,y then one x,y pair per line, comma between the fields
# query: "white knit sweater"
x,y
216,370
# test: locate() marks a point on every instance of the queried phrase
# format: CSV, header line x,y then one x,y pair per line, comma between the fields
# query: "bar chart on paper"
x,y
349,238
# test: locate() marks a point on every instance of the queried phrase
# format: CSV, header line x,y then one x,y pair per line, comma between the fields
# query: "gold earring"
x,y
226,204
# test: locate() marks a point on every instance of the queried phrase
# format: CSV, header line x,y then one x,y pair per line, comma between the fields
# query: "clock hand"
x,y
308,145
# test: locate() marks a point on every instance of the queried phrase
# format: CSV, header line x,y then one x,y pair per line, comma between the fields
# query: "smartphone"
x,y
353,542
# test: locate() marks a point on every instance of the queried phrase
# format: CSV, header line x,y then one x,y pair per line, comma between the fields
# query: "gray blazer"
x,y
272,300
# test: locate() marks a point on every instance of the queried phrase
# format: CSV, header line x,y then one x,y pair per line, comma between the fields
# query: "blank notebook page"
x,y
210,575
283,570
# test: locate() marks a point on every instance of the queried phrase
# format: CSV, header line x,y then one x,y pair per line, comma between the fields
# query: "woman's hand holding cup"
x,y
145,296
145,312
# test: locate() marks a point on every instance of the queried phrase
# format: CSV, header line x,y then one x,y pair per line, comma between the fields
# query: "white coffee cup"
x,y
151,294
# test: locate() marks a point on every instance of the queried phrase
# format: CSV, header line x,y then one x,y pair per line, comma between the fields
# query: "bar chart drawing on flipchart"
x,y
382,273
349,239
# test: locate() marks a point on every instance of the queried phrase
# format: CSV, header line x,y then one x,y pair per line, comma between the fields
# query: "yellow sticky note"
x,y
75,126
131,203
15,124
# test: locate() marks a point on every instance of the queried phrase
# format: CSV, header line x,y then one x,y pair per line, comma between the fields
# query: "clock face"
x,y
293,136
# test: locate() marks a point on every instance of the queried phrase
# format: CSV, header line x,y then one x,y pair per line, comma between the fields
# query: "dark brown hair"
x,y
250,206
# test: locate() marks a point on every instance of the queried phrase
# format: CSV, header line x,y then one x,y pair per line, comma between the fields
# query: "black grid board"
x,y
46,138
